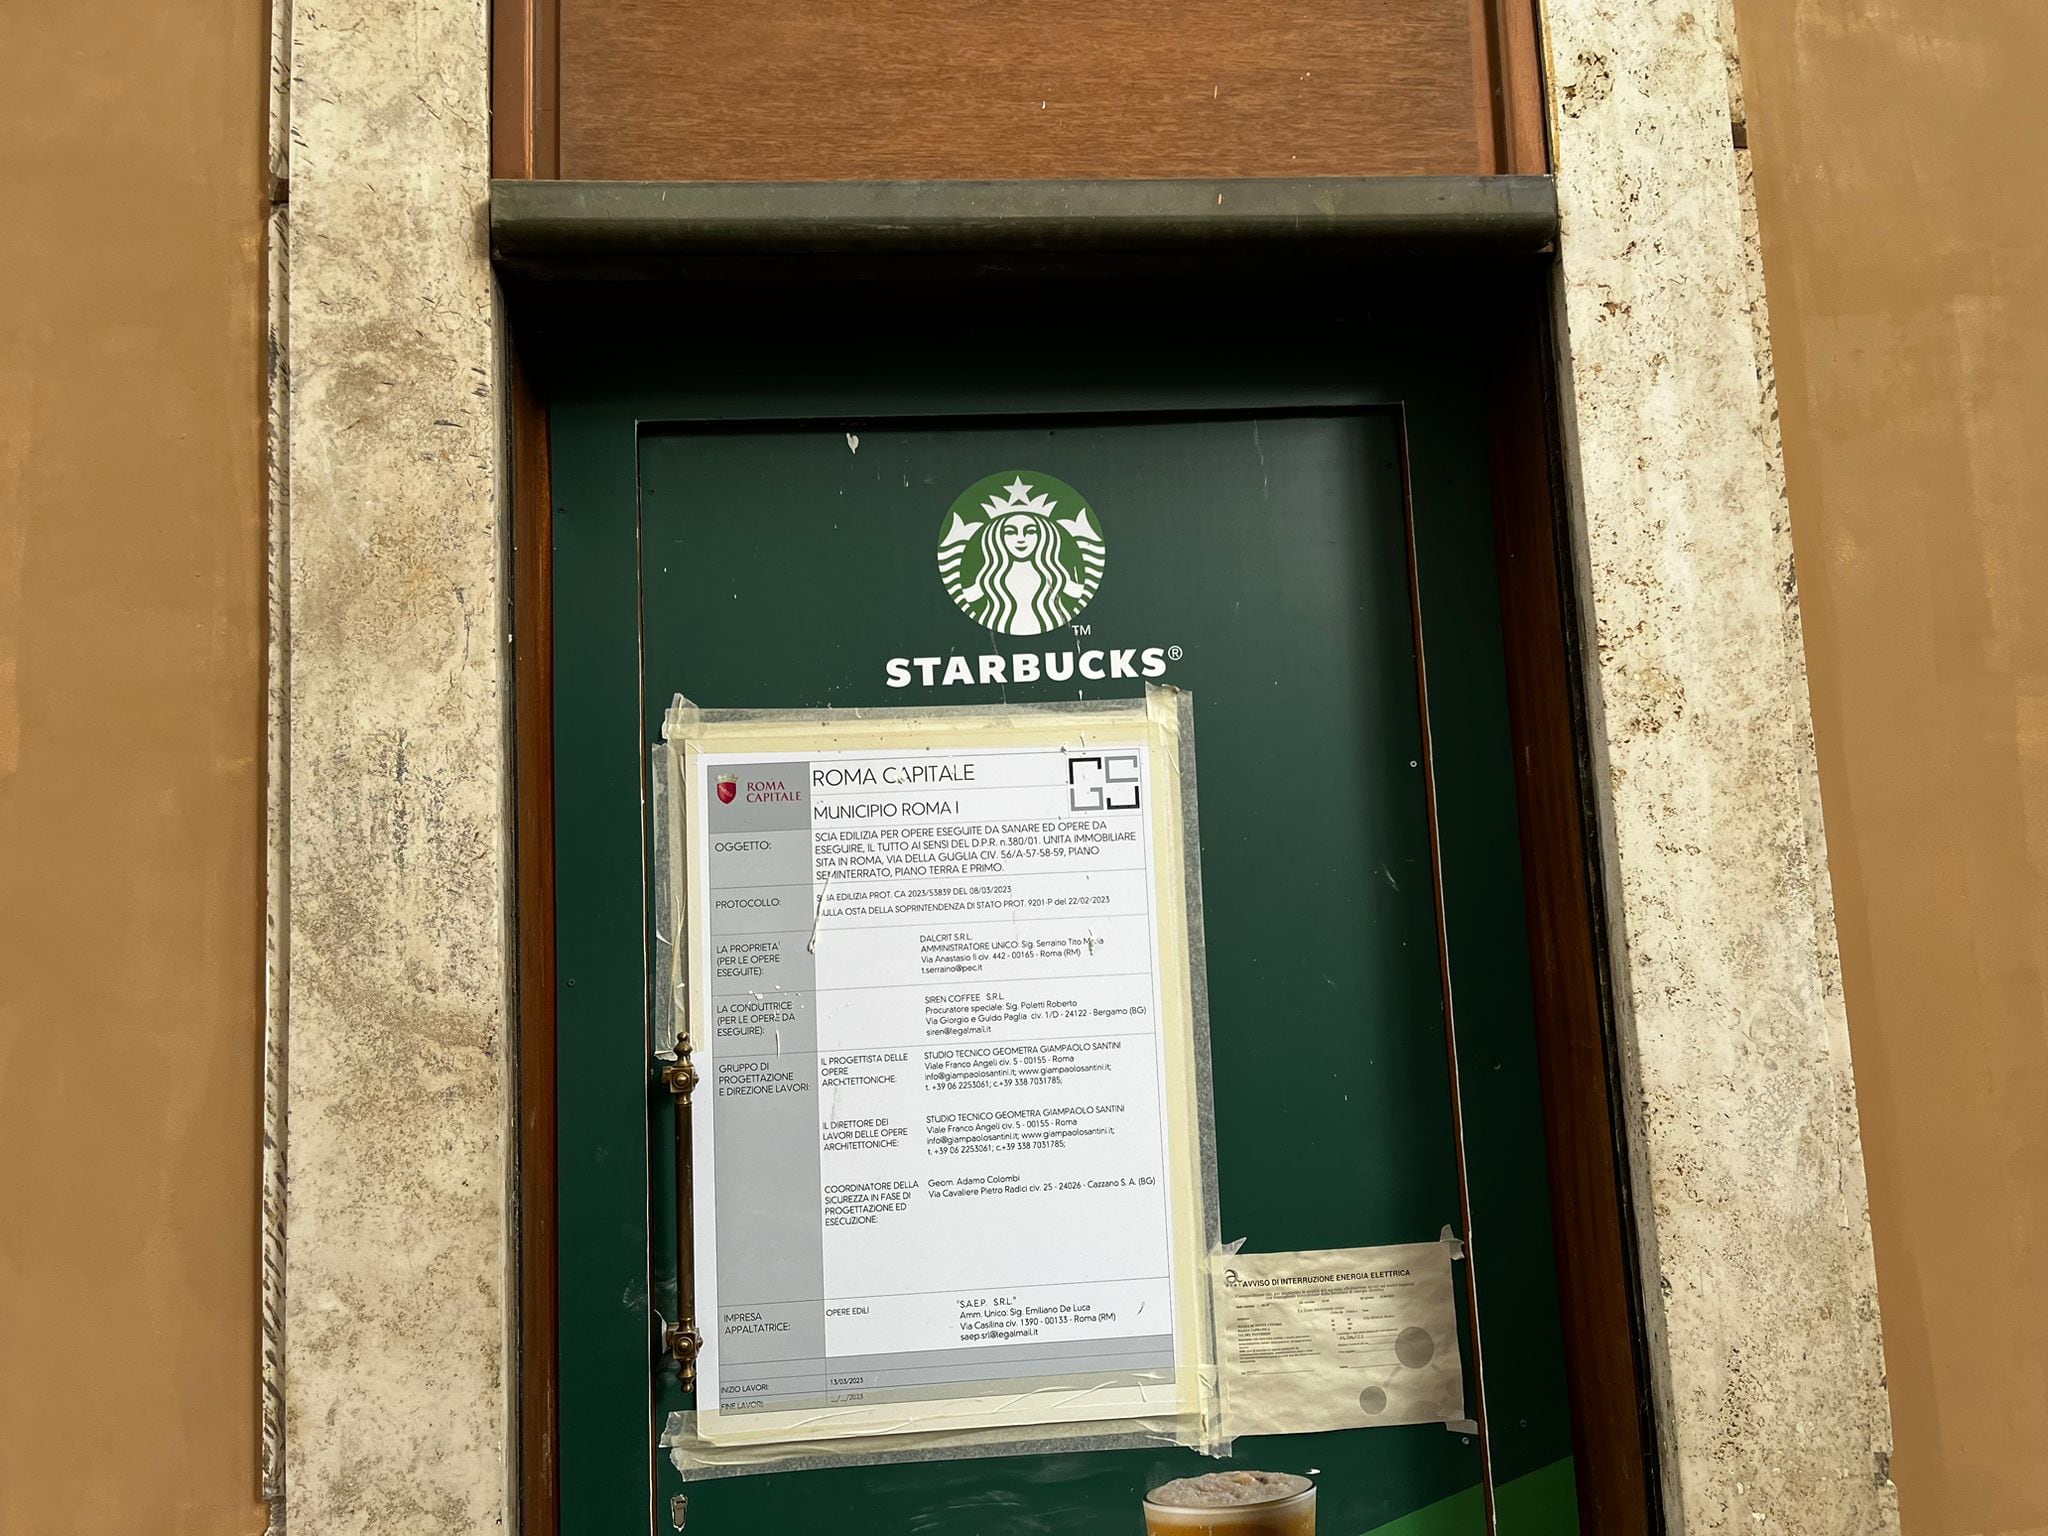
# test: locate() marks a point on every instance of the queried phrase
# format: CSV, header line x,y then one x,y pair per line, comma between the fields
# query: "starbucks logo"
x,y
1021,553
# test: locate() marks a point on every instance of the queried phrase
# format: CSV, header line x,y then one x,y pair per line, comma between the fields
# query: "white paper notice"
x,y
1338,1338
931,1149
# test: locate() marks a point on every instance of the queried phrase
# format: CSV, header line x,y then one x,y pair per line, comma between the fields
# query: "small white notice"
x,y
1338,1338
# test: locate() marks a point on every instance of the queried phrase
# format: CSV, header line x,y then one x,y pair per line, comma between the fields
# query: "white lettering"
x,y
990,669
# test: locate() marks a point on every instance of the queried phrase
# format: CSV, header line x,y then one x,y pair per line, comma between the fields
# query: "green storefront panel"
x,y
752,520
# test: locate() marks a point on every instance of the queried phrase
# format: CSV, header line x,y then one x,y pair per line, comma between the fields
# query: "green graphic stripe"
x,y
1540,1503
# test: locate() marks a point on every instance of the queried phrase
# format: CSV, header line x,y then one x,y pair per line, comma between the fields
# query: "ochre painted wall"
x,y
131,763
1899,147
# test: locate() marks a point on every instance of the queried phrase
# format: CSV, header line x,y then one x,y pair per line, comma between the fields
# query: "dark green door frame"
x,y
581,261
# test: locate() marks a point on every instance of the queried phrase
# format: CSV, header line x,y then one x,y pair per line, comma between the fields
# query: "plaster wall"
x,y
131,764
1897,147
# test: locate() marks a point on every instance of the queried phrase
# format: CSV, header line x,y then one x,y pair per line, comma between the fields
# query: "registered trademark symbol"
x,y
1173,653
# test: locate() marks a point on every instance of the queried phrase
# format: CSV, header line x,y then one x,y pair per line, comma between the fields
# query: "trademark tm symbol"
x,y
1084,629
1173,653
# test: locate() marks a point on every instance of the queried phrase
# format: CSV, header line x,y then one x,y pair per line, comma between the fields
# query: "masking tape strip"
x,y
664,973
697,1460
1172,711
686,721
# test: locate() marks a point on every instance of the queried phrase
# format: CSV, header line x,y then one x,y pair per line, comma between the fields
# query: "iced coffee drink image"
x,y
1233,1504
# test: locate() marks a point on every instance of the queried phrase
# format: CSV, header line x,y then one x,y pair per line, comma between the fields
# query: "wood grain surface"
x,y
525,89
800,90
1598,1285
533,677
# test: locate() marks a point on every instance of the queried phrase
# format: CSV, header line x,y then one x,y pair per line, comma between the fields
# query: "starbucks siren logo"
x,y
1021,553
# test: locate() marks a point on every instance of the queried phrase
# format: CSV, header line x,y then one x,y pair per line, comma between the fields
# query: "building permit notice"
x,y
940,1147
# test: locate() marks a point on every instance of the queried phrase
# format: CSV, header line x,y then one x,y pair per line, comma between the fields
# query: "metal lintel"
x,y
562,229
